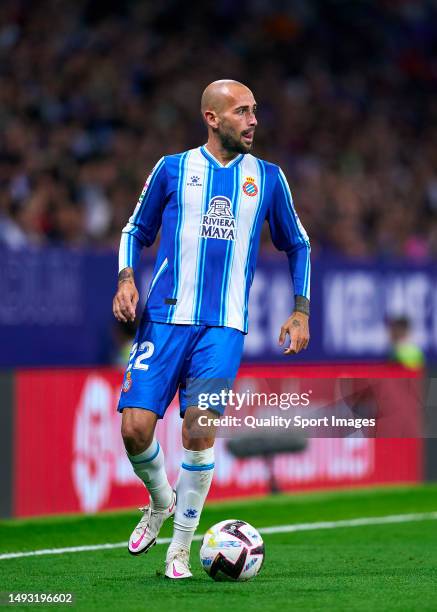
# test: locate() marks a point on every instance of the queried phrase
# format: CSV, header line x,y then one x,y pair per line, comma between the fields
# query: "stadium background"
x,y
91,95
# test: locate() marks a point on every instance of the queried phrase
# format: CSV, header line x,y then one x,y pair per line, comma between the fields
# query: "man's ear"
x,y
211,118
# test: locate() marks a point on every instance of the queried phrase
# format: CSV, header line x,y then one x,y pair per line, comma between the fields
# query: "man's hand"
x,y
126,299
297,328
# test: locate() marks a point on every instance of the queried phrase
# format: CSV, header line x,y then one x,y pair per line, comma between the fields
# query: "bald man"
x,y
211,203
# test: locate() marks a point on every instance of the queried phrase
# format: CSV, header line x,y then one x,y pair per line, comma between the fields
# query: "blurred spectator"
x,y
404,350
123,335
93,93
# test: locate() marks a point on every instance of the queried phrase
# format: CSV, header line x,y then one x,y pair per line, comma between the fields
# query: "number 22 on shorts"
x,y
139,355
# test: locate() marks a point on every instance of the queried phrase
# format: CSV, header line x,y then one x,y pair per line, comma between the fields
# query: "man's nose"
x,y
252,120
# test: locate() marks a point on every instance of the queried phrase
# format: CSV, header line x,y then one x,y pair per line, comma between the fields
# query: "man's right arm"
x,y
140,231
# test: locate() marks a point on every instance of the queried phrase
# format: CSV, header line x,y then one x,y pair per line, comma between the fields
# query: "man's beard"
x,y
229,142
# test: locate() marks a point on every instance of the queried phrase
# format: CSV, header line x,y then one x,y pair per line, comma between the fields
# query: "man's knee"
x,y
196,435
137,429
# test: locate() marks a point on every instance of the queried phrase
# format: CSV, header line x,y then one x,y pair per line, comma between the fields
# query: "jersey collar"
x,y
210,157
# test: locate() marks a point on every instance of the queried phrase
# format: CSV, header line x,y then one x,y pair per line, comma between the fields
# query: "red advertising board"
x,y
69,455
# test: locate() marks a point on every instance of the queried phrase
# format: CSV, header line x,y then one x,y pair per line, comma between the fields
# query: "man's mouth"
x,y
248,135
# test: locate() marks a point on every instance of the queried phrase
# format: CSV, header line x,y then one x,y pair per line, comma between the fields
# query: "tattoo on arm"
x,y
302,304
127,274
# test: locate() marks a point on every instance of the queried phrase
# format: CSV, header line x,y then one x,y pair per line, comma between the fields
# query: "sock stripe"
x,y
155,454
198,468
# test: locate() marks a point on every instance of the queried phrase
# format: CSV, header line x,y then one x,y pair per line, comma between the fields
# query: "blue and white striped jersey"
x,y
211,217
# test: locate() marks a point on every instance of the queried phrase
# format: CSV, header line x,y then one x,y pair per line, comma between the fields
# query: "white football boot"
x,y
145,533
177,564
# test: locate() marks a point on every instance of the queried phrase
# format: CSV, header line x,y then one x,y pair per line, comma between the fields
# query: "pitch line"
x,y
357,522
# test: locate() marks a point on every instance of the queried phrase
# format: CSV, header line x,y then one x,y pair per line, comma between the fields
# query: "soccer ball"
x,y
232,550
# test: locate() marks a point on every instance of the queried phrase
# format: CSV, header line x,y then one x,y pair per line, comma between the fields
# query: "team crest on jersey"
x,y
219,222
127,384
249,187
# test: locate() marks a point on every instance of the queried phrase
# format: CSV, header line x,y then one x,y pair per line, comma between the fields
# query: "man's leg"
x,y
192,488
211,368
147,459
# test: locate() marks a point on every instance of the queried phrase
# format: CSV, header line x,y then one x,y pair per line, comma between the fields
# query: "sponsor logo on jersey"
x,y
127,384
194,182
219,222
249,187
143,193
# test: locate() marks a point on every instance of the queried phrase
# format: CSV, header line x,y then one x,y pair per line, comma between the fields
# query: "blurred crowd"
x,y
93,92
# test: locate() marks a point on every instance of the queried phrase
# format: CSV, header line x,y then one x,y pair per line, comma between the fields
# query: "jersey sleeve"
x,y
289,235
144,224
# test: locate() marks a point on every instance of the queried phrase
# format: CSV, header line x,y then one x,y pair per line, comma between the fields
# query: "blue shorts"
x,y
197,359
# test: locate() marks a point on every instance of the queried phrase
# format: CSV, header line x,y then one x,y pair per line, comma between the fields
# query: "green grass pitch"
x,y
375,567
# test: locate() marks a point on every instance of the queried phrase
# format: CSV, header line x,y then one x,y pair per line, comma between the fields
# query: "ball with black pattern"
x,y
232,550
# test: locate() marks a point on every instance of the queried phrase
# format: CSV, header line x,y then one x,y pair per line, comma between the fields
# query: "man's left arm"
x,y
289,235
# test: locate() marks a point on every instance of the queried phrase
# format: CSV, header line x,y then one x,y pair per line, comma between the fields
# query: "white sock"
x,y
149,466
192,488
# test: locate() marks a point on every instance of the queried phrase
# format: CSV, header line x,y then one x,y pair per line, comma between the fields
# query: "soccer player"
x,y
211,203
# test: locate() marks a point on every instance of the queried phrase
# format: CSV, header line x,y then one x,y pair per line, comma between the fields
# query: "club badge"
x,y
127,384
249,187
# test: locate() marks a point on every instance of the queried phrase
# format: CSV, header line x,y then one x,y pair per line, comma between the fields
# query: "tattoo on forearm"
x,y
126,274
302,304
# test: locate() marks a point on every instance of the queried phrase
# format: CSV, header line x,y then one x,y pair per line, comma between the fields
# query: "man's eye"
x,y
243,111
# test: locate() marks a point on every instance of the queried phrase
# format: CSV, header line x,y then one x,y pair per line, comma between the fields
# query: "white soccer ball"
x,y
232,550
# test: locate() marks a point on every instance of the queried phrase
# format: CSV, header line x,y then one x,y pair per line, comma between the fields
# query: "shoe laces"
x,y
145,520
183,556
149,514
